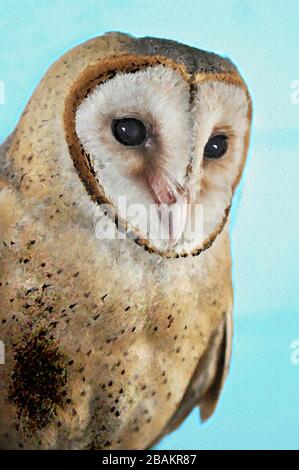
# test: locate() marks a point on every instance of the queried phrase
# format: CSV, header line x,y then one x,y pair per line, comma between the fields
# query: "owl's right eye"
x,y
129,131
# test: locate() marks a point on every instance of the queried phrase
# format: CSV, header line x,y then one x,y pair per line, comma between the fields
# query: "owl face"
x,y
162,150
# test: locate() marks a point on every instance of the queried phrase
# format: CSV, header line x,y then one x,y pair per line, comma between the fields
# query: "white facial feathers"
x,y
219,108
160,97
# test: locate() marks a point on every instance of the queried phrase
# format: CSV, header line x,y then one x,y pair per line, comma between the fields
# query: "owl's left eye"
x,y
216,147
129,131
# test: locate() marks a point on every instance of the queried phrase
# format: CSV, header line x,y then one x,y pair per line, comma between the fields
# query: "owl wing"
x,y
209,377
217,361
3,149
3,182
9,197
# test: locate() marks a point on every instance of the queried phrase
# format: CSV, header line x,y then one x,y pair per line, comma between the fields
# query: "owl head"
x,y
157,133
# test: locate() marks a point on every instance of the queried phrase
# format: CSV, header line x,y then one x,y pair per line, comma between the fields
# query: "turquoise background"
x,y
259,407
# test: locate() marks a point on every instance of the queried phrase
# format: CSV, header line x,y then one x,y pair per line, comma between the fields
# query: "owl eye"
x,y
216,146
129,131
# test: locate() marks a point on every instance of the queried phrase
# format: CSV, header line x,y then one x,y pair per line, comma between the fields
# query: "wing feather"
x,y
207,382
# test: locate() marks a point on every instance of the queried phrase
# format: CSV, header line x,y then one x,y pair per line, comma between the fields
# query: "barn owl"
x,y
115,304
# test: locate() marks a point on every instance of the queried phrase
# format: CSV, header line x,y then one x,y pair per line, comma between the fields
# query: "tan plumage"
x,y
110,343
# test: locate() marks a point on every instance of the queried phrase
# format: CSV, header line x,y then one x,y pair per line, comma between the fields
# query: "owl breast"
x,y
102,342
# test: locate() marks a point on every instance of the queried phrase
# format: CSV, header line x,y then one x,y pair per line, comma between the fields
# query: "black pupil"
x,y
129,131
216,147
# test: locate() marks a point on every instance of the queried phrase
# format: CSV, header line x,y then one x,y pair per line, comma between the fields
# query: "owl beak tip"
x,y
164,191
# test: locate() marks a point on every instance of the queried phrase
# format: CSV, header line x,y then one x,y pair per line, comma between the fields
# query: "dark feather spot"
x,y
38,380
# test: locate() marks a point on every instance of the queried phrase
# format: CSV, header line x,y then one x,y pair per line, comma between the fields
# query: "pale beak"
x,y
173,208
